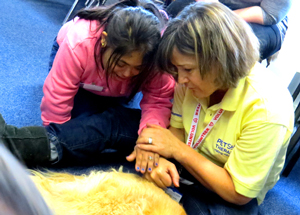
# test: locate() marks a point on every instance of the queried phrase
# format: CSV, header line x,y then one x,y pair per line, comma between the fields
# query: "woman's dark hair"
x,y
131,25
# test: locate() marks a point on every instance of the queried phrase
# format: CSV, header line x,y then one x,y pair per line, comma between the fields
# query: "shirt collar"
x,y
230,101
233,96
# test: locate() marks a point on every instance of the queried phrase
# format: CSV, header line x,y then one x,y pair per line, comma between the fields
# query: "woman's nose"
x,y
182,79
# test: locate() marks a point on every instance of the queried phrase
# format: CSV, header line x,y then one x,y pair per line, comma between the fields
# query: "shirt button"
x,y
210,114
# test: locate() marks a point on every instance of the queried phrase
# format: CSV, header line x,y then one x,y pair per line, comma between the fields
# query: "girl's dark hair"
x,y
131,25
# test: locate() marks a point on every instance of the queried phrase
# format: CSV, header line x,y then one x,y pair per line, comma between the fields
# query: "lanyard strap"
x,y
207,129
193,129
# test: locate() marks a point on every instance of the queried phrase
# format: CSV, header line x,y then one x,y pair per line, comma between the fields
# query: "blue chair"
x,y
88,4
293,151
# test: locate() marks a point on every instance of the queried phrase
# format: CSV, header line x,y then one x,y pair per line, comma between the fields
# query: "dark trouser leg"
x,y
84,138
269,39
176,6
29,144
97,123
54,50
197,200
87,103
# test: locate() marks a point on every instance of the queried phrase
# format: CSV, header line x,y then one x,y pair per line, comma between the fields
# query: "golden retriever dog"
x,y
113,192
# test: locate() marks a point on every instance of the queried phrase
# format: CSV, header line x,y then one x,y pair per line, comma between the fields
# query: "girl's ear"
x,y
103,39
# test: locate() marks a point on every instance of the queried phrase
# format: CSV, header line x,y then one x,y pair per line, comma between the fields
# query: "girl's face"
x,y
128,66
189,75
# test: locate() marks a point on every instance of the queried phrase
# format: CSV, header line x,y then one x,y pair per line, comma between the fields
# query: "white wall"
x,y
288,61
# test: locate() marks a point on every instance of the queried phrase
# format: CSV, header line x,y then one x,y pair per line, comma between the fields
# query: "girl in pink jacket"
x,y
103,65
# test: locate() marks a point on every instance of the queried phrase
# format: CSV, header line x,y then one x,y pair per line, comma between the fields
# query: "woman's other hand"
x,y
163,141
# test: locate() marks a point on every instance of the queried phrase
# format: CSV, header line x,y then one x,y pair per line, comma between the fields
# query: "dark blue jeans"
x,y
97,123
198,200
270,36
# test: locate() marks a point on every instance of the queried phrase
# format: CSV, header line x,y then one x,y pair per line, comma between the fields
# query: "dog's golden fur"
x,y
104,193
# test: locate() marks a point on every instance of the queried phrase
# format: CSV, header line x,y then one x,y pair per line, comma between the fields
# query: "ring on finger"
x,y
150,140
150,158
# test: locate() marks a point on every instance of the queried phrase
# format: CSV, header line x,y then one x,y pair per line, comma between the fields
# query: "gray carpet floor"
x,y
27,29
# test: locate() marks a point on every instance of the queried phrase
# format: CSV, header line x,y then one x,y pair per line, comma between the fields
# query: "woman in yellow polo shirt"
x,y
231,120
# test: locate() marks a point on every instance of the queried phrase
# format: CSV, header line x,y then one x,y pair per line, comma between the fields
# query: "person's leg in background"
x,y
176,6
269,38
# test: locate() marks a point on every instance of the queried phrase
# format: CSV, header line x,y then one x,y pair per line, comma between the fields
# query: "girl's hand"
x,y
145,160
164,175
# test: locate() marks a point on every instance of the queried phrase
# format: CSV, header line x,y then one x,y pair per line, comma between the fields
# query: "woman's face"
x,y
128,66
189,75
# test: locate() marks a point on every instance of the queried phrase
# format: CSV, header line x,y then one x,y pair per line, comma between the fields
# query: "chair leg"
x,y
294,142
70,11
291,163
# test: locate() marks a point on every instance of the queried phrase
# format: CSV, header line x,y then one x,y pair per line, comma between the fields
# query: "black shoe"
x,y
29,144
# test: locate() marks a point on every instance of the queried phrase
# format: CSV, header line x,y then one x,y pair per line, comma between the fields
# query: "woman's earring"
x,y
103,44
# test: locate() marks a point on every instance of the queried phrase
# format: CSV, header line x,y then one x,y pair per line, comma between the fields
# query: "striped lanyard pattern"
x,y
210,125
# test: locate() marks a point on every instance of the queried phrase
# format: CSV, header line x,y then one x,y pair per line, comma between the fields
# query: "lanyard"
x,y
207,129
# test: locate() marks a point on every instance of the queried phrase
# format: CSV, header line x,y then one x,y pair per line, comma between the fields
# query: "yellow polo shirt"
x,y
251,137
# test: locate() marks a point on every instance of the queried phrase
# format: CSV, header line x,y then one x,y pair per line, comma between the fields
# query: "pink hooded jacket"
x,y
74,66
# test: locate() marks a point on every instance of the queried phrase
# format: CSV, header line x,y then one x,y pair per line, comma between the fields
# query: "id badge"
x,y
91,87
173,193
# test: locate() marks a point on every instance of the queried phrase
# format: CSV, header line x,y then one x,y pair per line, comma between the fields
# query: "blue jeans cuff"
x,y
54,141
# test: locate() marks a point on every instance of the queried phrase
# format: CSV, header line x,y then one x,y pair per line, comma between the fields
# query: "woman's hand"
x,y
145,160
164,175
163,141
